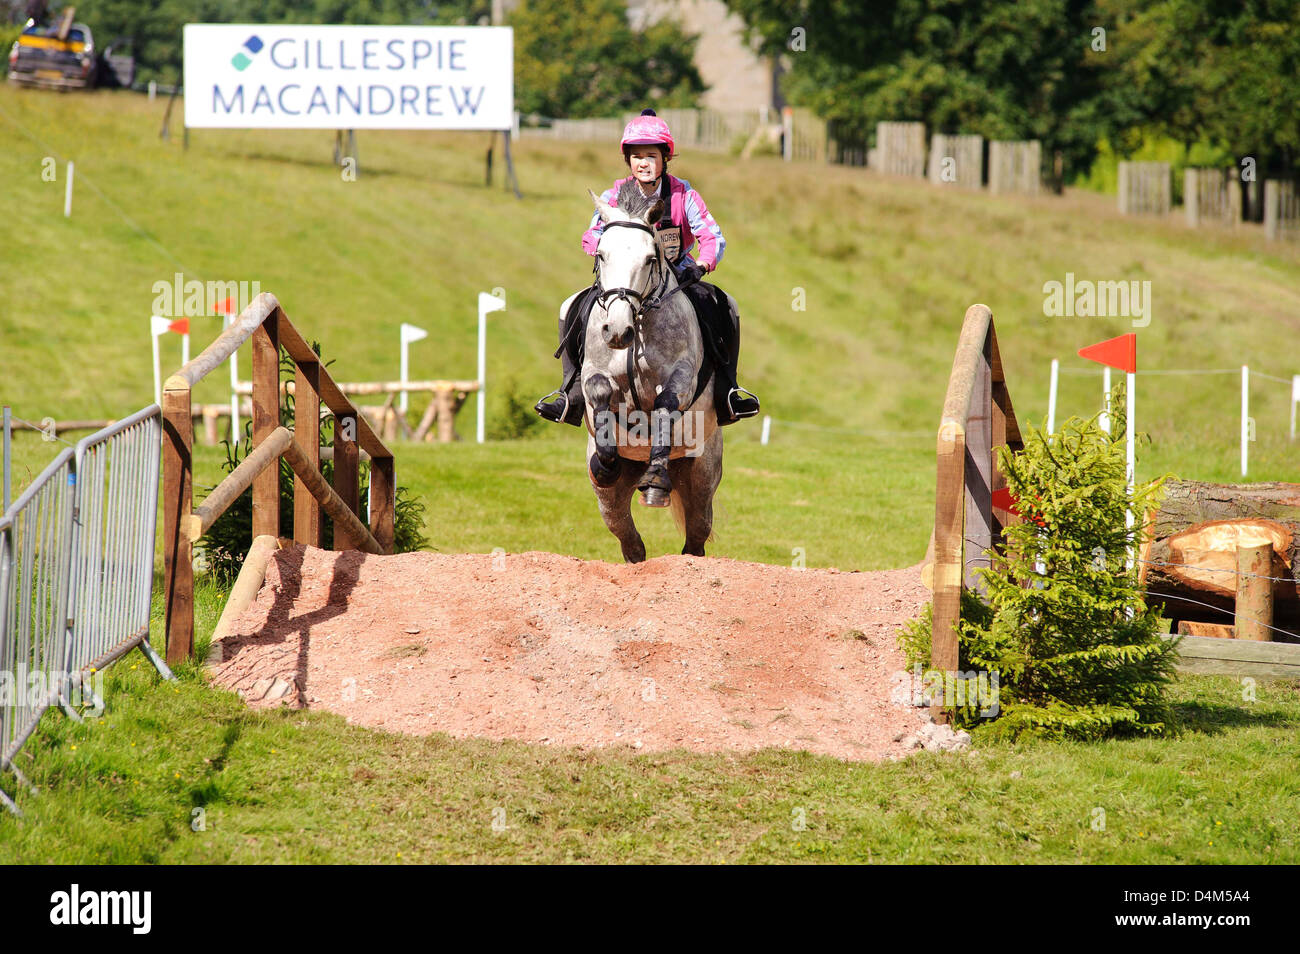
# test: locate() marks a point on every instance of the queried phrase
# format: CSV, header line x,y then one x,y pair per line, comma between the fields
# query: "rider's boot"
x,y
567,407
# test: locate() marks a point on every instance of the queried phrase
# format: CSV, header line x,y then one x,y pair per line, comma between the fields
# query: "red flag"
x,y
227,307
1118,352
181,326
1003,499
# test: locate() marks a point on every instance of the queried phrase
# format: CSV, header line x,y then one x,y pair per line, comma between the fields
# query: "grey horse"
x,y
651,423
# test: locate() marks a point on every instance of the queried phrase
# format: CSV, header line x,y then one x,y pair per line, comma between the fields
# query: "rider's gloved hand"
x,y
693,272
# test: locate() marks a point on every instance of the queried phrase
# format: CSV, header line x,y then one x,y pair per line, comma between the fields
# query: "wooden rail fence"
x,y
1015,167
270,330
1144,188
977,419
966,170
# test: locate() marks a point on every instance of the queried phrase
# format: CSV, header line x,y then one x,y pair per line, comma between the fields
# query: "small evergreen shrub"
x,y
1064,623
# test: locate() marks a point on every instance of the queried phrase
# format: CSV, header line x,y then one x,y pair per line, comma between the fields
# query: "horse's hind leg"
x,y
695,481
615,500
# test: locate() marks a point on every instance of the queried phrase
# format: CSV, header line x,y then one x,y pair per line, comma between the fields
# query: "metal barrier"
x,y
35,557
113,541
76,575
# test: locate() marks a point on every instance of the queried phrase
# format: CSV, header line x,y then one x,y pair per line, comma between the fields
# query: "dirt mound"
x,y
690,652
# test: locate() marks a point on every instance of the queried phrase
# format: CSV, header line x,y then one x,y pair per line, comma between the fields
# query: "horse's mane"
x,y
635,202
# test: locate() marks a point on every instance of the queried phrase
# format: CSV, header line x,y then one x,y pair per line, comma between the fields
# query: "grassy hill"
x,y
854,384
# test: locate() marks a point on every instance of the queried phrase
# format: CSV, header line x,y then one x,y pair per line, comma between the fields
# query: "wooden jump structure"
x,y
270,330
978,418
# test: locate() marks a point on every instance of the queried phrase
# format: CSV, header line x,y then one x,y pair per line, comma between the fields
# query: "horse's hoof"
x,y
654,497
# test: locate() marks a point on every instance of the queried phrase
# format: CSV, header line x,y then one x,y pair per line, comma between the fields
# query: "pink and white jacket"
x,y
687,209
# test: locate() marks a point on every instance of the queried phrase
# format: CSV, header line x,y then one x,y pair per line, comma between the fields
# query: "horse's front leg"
x,y
604,465
655,484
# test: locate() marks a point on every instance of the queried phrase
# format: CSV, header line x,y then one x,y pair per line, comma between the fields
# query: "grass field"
x,y
854,384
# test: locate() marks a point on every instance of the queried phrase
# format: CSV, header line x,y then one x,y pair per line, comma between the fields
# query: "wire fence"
x,y
76,576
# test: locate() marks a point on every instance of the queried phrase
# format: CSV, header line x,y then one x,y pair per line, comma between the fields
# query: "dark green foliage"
x,y
1078,653
155,25
517,417
226,544
583,58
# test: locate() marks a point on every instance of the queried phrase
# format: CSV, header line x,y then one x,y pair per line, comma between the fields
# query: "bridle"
x,y
643,302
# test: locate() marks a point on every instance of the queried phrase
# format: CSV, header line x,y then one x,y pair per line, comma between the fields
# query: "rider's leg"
x,y
569,406
723,336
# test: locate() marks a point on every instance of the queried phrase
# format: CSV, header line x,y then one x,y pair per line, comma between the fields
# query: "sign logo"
x,y
242,62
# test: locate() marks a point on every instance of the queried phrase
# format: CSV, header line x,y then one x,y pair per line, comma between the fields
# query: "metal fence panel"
x,y
113,539
33,630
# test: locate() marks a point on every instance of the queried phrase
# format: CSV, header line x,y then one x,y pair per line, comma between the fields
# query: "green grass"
x,y
284,786
888,268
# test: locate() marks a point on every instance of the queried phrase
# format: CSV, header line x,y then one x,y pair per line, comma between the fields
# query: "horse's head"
x,y
628,261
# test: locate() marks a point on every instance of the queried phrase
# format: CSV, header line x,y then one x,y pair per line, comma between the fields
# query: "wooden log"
x,y
252,573
1187,627
1239,657
178,566
1254,601
1204,556
426,421
380,387
227,343
446,401
210,414
265,455
306,470
383,501
306,508
347,481
266,418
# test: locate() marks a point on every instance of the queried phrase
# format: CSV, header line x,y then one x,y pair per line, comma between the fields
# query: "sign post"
x,y
1121,353
160,326
486,303
409,333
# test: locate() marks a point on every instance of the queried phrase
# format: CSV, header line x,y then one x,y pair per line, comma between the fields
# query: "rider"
x,y
647,146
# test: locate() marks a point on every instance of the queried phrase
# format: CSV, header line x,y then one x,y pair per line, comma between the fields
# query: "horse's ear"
x,y
655,212
604,208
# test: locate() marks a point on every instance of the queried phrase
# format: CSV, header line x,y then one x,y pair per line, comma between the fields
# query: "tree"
x,y
1004,69
156,27
582,58
1223,72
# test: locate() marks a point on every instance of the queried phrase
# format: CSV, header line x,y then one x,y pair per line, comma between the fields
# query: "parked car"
x,y
41,57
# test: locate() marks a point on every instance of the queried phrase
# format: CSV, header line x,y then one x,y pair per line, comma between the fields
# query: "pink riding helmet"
x,y
648,130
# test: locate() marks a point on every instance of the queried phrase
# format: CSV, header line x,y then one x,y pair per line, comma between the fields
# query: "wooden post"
x,y
1192,196
383,501
210,414
266,418
1254,607
446,399
346,479
306,434
978,470
178,565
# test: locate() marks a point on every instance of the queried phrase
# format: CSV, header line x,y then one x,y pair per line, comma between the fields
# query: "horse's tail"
x,y
679,514
679,510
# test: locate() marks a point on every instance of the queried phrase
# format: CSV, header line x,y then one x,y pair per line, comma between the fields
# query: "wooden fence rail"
x,y
270,330
977,419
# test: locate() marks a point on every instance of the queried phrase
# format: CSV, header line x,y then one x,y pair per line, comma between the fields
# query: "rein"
x,y
644,303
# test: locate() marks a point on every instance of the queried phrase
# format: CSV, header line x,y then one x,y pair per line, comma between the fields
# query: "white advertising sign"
x,y
254,76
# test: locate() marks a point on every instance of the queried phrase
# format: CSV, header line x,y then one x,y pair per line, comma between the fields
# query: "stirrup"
x,y
546,408
745,406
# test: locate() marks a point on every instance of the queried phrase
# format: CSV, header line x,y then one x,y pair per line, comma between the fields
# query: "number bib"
x,y
670,240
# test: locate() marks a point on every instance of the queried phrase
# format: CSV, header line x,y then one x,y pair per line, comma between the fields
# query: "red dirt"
x,y
679,652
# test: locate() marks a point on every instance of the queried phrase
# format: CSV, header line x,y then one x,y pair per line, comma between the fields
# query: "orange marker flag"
x,y
1118,352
